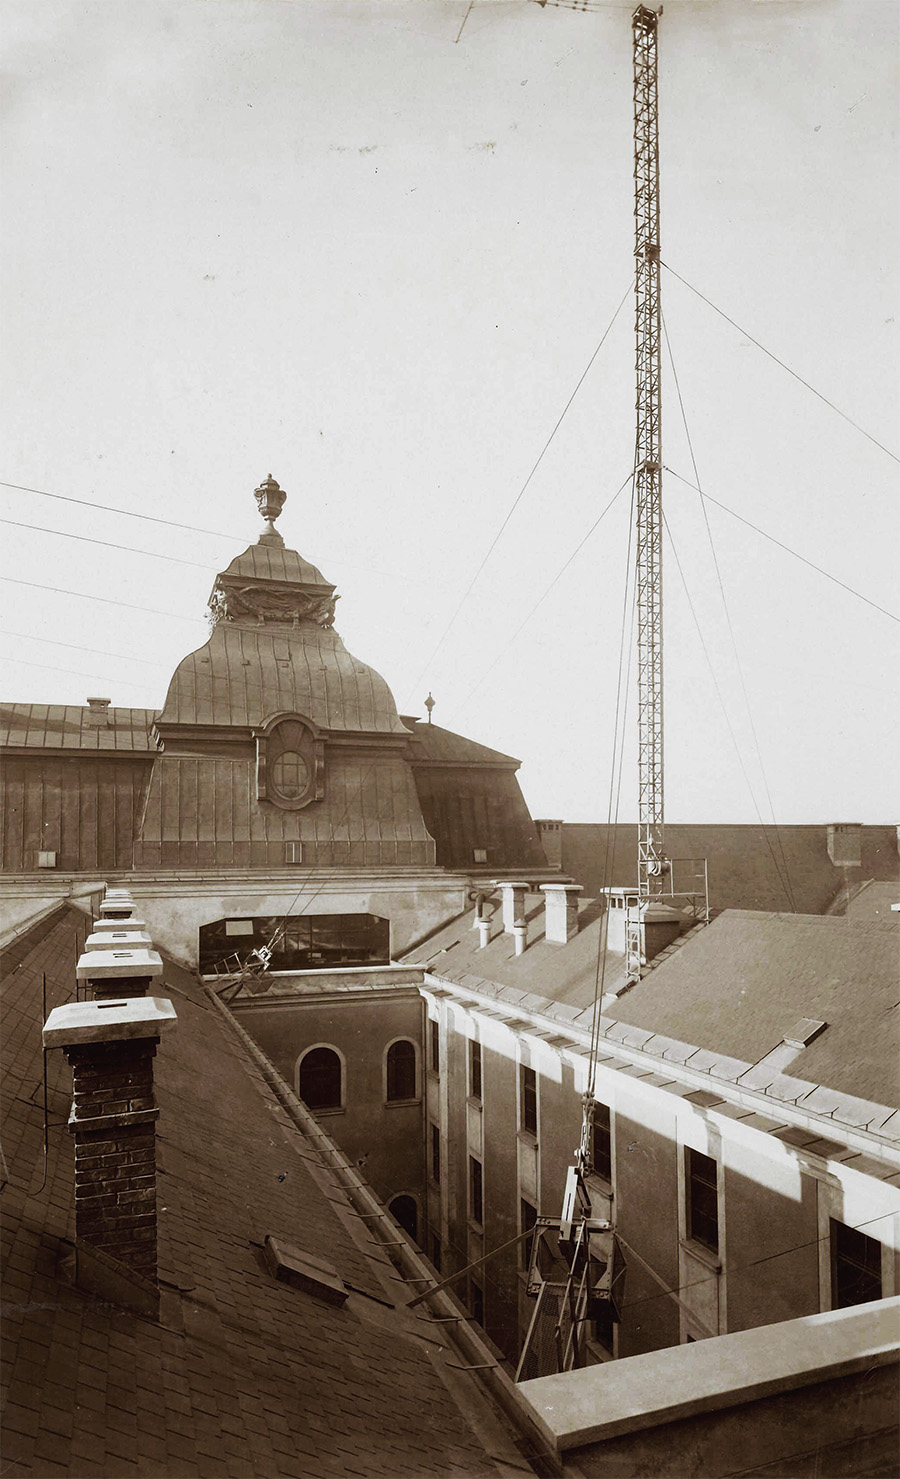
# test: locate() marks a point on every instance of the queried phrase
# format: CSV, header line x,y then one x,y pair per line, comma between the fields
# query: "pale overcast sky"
x,y
329,241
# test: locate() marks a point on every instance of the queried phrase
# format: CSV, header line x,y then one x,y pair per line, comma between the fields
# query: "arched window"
x,y
407,1214
401,1071
320,1079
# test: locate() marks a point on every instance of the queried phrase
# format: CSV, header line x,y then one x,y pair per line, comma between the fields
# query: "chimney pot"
x,y
484,933
520,936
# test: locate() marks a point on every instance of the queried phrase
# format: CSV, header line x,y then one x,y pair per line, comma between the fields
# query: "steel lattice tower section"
x,y
648,456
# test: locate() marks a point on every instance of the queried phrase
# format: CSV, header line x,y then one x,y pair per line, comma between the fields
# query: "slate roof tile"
x,y
123,1395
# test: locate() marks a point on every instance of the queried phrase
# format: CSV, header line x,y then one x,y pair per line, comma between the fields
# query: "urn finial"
x,y
270,500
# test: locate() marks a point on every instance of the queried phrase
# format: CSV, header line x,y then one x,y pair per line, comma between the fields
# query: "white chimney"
x,y
513,894
560,911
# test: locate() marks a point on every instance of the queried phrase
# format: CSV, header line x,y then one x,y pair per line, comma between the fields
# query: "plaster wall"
x,y
841,1427
177,906
387,1140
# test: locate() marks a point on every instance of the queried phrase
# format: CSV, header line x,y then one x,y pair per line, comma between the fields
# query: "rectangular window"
x,y
436,1252
436,1154
601,1141
434,1039
527,1219
476,1190
528,1115
702,1199
603,1328
855,1266
475,1069
476,1300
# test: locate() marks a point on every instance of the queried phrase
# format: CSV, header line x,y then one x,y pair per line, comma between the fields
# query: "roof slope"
x,y
742,861
560,973
431,743
66,727
244,674
745,981
244,1375
276,562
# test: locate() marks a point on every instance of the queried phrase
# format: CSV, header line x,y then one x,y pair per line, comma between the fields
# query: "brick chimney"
x,y
120,972
560,911
111,1046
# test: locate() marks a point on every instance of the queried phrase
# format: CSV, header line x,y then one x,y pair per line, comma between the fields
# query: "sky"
x,y
371,248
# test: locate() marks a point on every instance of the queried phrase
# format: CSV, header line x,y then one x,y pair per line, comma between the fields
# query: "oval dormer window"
x,y
290,775
289,764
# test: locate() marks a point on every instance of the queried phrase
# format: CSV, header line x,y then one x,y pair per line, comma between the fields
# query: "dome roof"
x,y
248,671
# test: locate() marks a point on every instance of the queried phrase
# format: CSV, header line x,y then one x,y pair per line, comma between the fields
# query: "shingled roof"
x,y
243,1375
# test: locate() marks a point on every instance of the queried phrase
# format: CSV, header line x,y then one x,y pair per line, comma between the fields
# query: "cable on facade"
x,y
781,363
521,493
785,884
734,646
708,498
740,1268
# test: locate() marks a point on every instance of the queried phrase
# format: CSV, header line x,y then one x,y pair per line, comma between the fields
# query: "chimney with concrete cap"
x,y
98,712
560,911
110,1046
512,894
120,972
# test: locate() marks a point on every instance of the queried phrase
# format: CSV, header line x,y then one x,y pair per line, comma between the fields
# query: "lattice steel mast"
x,y
648,458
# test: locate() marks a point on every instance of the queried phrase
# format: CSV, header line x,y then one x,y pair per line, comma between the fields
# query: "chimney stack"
x,y
111,1046
110,1043
560,911
98,716
512,894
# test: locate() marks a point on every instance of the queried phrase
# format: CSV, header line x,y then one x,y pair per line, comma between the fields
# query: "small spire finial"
x,y
429,704
270,500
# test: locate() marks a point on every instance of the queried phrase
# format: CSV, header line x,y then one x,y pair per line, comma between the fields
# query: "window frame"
x,y
330,1047
391,1100
476,1070
434,1153
846,1260
476,1191
527,1223
696,1162
604,1171
528,1097
434,1046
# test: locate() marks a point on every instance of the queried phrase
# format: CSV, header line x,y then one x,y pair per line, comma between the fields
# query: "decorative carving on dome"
x,y
284,605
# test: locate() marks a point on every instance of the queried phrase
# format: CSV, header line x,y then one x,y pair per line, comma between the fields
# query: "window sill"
x,y
476,1227
600,1185
401,1103
324,1113
475,1101
701,1253
527,1137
